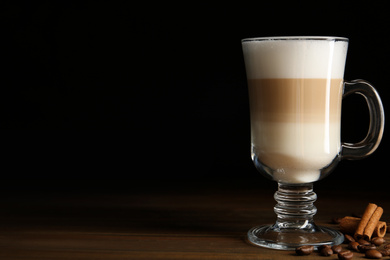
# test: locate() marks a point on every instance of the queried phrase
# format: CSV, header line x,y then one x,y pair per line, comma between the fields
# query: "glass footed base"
x,y
270,236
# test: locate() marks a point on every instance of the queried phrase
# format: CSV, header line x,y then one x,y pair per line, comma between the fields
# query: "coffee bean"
x,y
323,246
386,246
373,254
353,246
326,251
345,255
337,249
384,252
348,239
304,250
363,242
378,241
364,248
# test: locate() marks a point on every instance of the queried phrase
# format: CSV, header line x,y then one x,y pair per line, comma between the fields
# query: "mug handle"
x,y
377,120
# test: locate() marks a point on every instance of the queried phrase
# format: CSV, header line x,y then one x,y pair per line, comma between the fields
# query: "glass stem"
x,y
295,209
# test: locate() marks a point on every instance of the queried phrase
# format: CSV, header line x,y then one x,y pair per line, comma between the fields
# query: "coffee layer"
x,y
295,100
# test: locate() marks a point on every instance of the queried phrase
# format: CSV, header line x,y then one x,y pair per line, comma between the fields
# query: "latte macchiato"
x,y
295,91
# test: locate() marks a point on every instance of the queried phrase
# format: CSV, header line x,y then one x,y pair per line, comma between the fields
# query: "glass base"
x,y
270,236
294,226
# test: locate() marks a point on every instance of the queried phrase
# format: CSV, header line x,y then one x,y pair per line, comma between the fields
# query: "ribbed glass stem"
x,y
295,209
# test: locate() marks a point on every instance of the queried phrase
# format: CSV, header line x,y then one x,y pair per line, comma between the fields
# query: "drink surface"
x,y
295,92
295,59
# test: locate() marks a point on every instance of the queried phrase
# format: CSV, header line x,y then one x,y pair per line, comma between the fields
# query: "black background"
x,y
114,90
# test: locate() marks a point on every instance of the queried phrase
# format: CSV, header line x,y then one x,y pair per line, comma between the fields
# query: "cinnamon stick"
x,y
380,229
348,225
369,229
370,209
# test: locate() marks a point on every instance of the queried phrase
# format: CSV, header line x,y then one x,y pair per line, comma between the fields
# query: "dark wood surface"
x,y
160,220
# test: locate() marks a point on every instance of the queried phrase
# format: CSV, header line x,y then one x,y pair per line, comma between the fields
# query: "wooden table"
x,y
162,220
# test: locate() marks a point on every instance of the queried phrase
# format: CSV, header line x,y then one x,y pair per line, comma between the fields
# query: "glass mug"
x,y
296,88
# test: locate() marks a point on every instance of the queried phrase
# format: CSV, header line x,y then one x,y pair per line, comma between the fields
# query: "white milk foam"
x,y
295,59
295,151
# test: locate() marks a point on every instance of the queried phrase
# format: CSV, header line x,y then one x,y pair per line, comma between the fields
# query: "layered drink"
x,y
295,91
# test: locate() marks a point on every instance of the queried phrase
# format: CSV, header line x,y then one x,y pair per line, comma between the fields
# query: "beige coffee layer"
x,y
304,100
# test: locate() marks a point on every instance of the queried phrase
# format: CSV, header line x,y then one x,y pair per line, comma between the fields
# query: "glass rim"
x,y
299,38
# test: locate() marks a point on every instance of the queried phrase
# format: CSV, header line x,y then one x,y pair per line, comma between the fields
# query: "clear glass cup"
x,y
296,88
